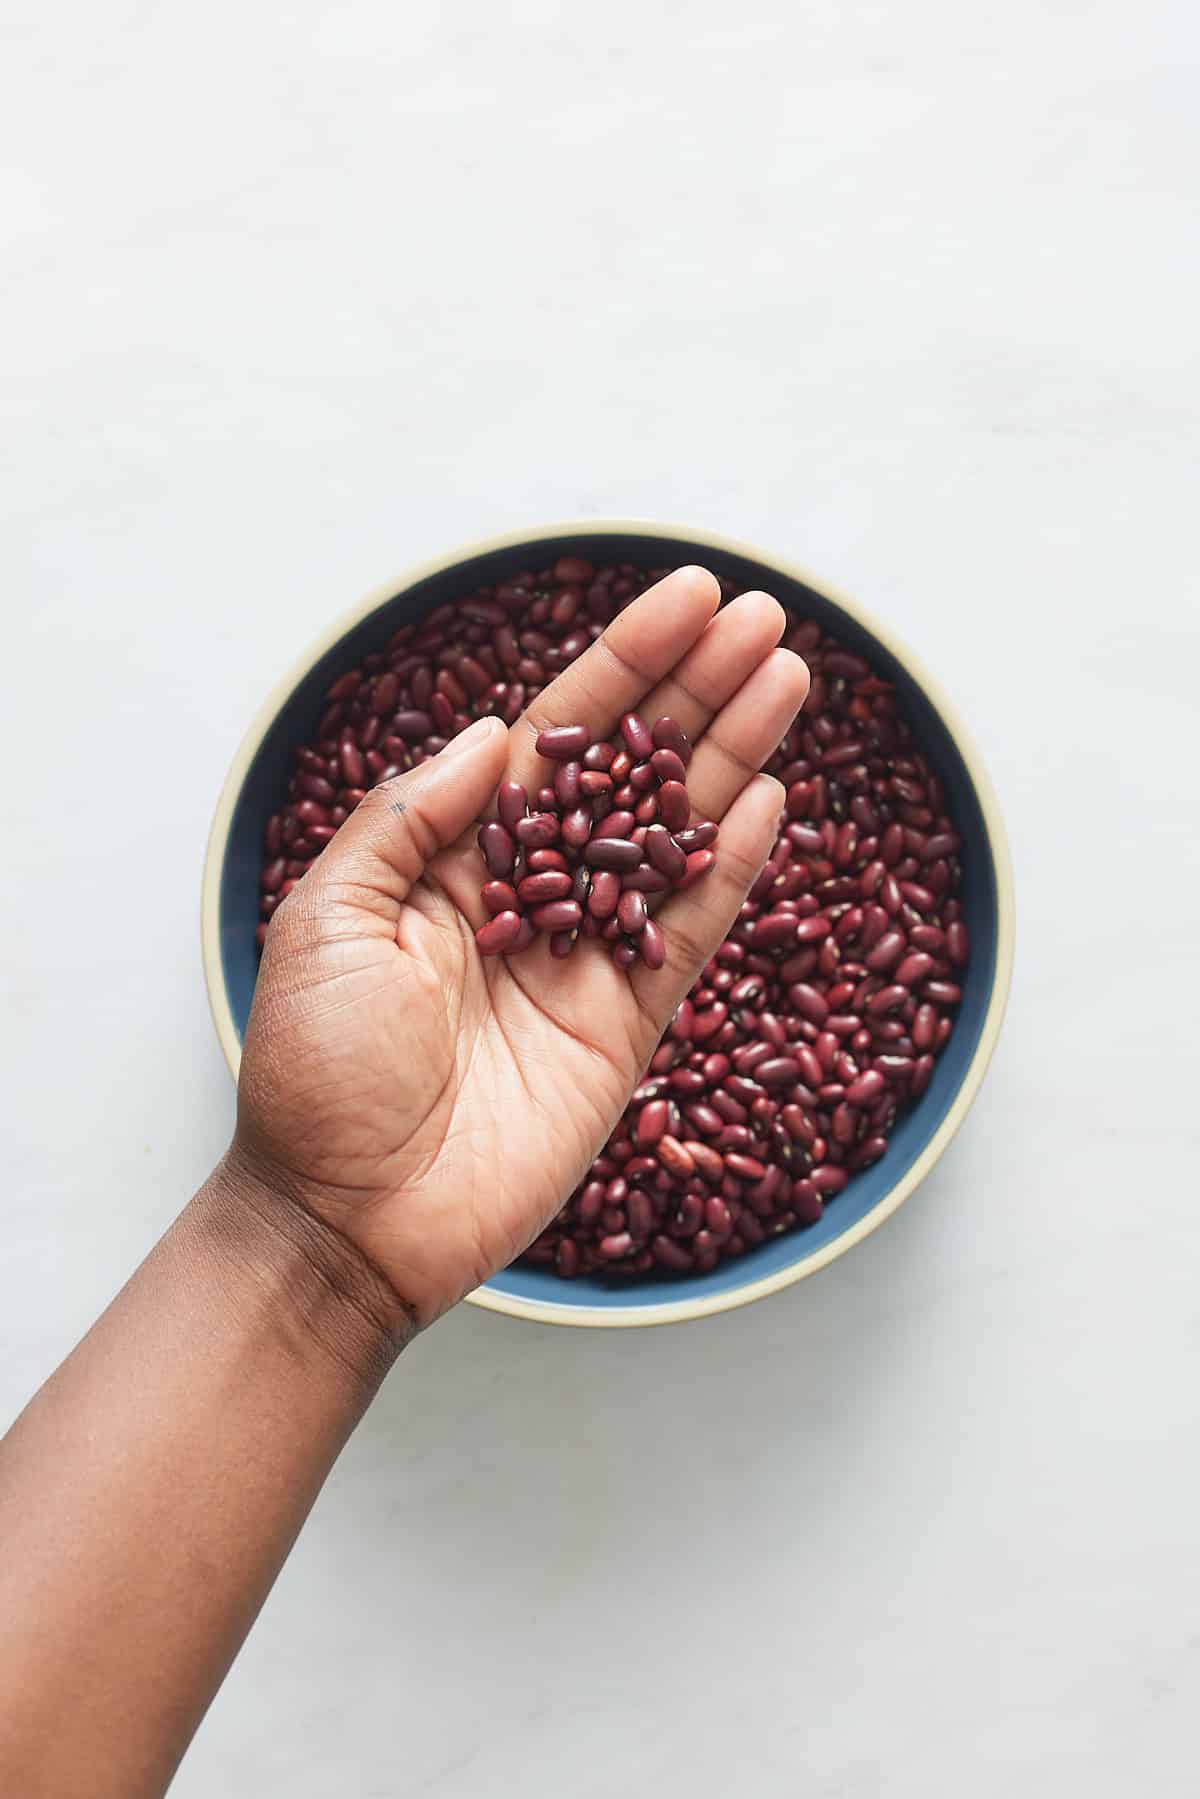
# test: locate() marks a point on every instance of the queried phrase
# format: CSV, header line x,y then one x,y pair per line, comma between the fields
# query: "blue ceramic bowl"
x,y
258,777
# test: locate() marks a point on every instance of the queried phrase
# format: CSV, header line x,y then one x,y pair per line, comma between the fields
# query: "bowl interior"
x,y
267,776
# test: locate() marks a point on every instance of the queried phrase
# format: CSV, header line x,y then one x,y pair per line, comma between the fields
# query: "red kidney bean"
x,y
699,863
913,969
742,1088
708,1162
499,934
599,758
538,861
875,926
474,676
808,1002
701,1116
675,1158
681,1025
929,938
590,1202
669,1254
384,694
631,912
813,929
498,896
667,766
638,739
717,1217
652,1122
577,827
572,568
773,930
651,945
748,1056
556,915
673,807
350,763
553,884
829,1179
666,734
697,837
618,823
605,894
845,1123
499,850
316,787
885,1001
538,831
664,854
562,743
594,784
413,725
918,896
778,1071
866,1088
798,1124
566,784
709,1022
886,952
615,853
744,1168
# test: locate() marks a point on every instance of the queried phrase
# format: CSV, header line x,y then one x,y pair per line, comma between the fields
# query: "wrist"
x,y
323,1297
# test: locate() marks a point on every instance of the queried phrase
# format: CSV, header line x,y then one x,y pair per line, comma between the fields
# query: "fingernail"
x,y
472,737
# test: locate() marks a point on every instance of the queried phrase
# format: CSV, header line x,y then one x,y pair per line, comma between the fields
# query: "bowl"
x,y
258,776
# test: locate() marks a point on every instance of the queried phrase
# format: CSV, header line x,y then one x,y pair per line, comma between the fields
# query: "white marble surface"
x,y
298,295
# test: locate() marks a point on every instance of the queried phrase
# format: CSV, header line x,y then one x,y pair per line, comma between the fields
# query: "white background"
x,y
297,295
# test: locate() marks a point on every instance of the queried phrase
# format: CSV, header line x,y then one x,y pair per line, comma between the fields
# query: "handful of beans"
x,y
820,1016
608,841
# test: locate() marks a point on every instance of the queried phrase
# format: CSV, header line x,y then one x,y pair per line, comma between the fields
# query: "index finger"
x,y
630,657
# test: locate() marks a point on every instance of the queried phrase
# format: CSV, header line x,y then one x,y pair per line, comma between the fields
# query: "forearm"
x,y
151,1491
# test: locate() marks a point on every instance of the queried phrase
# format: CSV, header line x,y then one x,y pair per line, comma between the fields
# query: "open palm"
x,y
435,1107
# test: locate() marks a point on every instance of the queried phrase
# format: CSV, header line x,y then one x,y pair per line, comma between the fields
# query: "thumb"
x,y
385,844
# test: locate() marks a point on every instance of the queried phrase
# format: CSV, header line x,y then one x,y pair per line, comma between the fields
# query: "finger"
x,y
746,732
696,922
725,655
621,667
385,844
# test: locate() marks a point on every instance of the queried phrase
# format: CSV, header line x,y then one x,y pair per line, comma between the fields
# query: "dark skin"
x,y
409,1117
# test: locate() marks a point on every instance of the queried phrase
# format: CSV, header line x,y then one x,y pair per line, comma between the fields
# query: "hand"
x,y
434,1107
